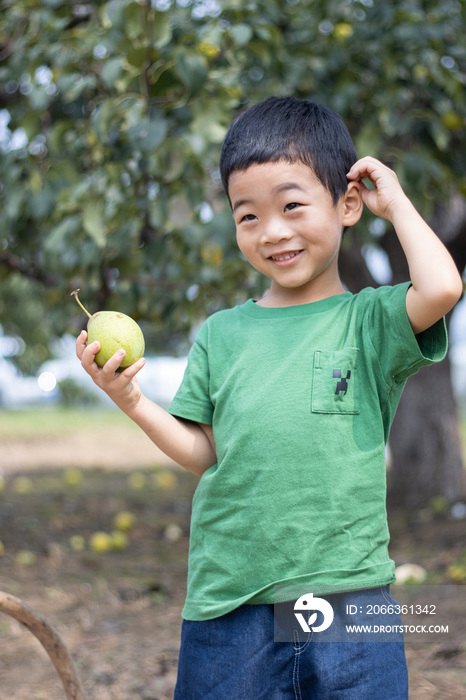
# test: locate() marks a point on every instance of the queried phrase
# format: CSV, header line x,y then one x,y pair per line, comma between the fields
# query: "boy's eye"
x,y
248,217
292,205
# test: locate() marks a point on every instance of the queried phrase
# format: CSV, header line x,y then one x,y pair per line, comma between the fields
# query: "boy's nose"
x,y
276,231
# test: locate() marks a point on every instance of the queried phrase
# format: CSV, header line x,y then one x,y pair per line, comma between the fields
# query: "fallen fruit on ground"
x,y
119,540
124,520
101,542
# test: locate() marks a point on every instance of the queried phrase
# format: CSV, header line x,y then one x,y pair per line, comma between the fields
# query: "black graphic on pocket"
x,y
342,385
335,381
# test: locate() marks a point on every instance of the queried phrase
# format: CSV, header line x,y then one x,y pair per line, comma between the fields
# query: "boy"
x,y
284,411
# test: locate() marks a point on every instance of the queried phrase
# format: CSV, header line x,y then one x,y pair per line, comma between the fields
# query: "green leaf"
x,y
440,135
147,134
41,203
93,221
58,240
111,71
56,135
134,20
193,70
241,33
207,125
176,165
165,82
180,212
138,57
162,32
114,13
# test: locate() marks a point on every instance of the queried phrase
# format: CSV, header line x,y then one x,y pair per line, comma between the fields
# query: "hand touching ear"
x,y
387,193
436,285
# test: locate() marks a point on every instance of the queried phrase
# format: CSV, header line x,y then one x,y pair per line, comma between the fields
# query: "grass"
x,y
55,420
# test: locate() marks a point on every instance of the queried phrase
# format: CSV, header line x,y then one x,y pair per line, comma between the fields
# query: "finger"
x,y
368,196
112,365
81,344
363,167
359,171
131,371
88,355
356,174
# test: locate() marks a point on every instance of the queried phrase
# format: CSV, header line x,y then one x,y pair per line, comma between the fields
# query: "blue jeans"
x,y
235,657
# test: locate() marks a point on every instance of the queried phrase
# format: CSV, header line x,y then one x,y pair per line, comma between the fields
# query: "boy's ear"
x,y
353,204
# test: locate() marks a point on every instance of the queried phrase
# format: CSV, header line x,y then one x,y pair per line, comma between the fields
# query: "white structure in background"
x,y
15,390
159,378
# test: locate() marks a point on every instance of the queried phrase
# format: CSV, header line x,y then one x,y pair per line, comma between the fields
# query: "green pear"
x,y
114,331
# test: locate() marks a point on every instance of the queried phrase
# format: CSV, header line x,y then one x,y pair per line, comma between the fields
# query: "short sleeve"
x,y
192,400
401,353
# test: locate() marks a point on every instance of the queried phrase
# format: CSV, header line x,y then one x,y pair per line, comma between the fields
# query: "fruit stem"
x,y
75,295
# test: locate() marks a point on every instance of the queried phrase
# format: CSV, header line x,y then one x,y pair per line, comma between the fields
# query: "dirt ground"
x,y
119,611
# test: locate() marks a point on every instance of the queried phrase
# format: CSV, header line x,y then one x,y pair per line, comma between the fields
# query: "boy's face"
x,y
288,228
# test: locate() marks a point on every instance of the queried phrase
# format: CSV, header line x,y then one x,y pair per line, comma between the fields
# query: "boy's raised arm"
x,y
436,283
189,444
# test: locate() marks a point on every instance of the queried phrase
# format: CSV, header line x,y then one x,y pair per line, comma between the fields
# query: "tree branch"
x,y
149,26
50,640
28,269
149,281
10,45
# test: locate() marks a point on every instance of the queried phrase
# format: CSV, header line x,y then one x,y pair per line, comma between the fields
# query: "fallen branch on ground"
x,y
50,640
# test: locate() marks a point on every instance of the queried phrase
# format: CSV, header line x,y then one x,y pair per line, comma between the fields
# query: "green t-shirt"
x,y
301,400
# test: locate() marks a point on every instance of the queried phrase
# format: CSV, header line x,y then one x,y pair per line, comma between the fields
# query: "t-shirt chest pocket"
x,y
335,381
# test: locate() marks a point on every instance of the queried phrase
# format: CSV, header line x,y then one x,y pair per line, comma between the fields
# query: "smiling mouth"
x,y
285,256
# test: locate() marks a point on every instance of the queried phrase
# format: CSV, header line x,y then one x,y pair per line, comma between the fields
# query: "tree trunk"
x,y
425,443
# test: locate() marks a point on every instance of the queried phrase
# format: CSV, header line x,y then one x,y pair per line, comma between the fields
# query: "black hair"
x,y
286,128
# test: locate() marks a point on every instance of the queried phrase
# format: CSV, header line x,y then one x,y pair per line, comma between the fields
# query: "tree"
x,y
113,114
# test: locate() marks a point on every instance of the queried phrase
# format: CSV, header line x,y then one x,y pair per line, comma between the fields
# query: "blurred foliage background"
x,y
112,115
111,119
